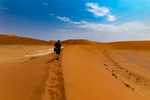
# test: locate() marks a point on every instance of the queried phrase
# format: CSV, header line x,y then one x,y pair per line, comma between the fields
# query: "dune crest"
x,y
78,42
18,40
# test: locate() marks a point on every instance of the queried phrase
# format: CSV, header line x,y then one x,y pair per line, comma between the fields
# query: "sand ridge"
x,y
18,40
26,81
78,42
85,67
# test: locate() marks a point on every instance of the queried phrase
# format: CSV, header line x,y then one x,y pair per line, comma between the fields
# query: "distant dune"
x,y
78,42
52,41
18,40
130,45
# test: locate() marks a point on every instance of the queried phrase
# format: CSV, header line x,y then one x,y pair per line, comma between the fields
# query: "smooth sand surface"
x,y
26,81
86,77
23,77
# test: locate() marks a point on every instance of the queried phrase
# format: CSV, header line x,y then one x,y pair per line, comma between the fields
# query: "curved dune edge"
x,y
28,81
86,76
19,40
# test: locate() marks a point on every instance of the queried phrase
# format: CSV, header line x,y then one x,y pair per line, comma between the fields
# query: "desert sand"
x,y
12,55
14,39
22,78
86,70
87,77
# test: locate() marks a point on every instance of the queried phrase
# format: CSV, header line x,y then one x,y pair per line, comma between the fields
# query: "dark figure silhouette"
x,y
57,48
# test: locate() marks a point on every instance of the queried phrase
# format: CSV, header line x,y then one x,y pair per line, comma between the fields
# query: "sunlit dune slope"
x,y
18,40
87,78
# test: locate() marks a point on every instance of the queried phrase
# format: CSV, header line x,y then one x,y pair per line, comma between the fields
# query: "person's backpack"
x,y
56,49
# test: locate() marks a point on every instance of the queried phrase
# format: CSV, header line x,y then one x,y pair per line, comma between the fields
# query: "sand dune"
x,y
15,40
24,72
86,76
87,70
78,42
26,81
130,45
38,78
12,55
52,41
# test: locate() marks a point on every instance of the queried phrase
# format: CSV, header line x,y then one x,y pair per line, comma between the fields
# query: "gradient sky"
x,y
97,20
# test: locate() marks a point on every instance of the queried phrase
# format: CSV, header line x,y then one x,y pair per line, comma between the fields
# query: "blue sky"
x,y
97,20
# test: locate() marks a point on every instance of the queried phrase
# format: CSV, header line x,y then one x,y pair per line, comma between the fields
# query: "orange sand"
x,y
87,79
26,81
84,72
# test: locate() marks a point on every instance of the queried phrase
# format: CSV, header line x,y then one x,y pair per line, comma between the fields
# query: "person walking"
x,y
57,48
